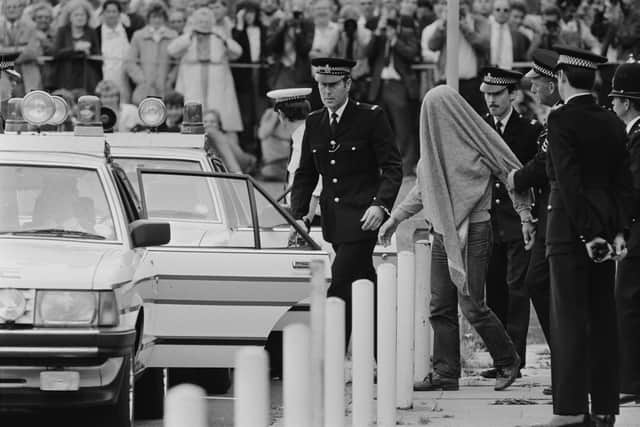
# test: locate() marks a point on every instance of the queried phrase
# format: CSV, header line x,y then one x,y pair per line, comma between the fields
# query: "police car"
x,y
91,296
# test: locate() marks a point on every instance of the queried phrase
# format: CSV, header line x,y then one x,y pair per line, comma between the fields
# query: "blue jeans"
x,y
444,305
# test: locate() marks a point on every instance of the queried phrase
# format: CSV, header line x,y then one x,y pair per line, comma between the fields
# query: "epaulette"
x,y
365,106
316,112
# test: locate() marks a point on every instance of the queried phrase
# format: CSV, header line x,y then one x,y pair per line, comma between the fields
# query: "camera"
x,y
297,14
552,26
350,26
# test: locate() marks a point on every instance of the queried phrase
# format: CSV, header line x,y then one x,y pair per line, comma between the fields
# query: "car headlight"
x,y
76,308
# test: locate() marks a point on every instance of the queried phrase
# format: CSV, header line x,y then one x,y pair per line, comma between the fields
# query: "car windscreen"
x,y
63,202
130,165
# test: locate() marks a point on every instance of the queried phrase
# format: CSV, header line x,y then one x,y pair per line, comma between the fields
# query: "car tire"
x,y
119,414
212,380
150,387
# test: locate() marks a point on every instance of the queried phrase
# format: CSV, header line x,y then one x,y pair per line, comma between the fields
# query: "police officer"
x,y
352,146
533,175
506,292
626,104
589,178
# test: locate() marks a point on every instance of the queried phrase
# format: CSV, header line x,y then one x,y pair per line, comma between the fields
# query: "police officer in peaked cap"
x,y
351,145
589,179
625,96
533,175
506,292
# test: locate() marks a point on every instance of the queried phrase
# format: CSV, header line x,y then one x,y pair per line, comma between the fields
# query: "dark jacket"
x,y
299,75
633,145
363,171
589,175
73,69
243,77
521,136
404,53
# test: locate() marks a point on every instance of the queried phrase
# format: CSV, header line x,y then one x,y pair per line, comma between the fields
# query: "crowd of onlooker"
x,y
227,54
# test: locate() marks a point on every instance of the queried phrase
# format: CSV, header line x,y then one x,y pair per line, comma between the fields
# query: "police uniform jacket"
x,y
520,135
363,169
589,176
633,145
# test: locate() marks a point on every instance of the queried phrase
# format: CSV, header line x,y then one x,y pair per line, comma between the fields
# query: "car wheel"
x,y
120,414
213,380
150,388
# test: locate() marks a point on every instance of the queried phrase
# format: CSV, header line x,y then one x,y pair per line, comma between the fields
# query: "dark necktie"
x,y
499,127
349,52
387,54
334,123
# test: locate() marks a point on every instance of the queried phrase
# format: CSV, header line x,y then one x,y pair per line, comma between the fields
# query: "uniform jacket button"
x,y
314,150
336,199
497,201
497,185
334,180
548,207
333,162
353,148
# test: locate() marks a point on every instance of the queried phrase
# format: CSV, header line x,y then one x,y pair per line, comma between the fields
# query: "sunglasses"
x,y
501,10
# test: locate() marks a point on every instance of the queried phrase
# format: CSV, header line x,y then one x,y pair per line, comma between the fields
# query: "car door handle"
x,y
301,264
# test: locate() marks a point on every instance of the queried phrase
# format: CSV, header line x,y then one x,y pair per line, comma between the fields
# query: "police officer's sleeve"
x,y
623,185
389,161
634,166
305,179
563,152
532,174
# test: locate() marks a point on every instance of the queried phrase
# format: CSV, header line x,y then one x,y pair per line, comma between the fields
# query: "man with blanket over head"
x,y
460,153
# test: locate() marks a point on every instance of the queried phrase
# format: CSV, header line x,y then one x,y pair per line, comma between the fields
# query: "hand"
x,y
511,179
619,247
529,234
240,18
599,250
293,233
372,218
386,231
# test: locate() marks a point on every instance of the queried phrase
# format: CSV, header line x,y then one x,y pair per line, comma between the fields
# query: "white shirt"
x,y
429,55
339,112
503,121
114,48
253,33
576,95
631,123
325,39
389,72
501,45
294,160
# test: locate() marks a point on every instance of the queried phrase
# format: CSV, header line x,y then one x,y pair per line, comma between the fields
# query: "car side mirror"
x,y
149,233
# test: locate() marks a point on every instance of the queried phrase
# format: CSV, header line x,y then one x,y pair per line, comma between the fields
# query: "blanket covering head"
x,y
459,152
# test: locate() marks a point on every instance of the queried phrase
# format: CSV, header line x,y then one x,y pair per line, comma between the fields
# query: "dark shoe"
x,y
491,373
603,420
628,398
507,375
547,391
586,422
434,381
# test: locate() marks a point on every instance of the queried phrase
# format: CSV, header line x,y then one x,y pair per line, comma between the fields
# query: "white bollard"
x,y
422,332
251,385
334,363
406,310
318,303
362,352
296,375
386,345
185,405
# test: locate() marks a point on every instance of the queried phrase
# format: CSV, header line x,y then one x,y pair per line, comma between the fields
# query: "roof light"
x,y
37,107
14,121
192,118
152,112
61,112
89,123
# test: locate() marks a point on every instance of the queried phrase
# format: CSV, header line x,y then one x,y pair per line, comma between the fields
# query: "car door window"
x,y
229,209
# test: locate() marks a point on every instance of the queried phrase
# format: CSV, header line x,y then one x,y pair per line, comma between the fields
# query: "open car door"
x,y
229,287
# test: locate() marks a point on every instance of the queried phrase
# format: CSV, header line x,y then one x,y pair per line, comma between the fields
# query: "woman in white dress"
x,y
204,75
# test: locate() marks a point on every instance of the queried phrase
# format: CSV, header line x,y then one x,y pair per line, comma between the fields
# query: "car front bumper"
x,y
62,368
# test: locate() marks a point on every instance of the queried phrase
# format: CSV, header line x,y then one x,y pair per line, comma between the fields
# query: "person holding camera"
x,y
586,218
354,43
551,33
473,51
394,84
